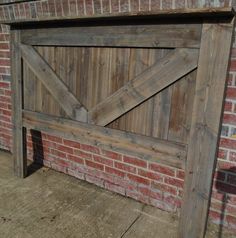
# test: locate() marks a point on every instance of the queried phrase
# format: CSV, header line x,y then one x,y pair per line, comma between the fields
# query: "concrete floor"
x,y
49,204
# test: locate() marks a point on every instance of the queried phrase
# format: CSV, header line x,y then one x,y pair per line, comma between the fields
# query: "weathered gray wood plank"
x,y
19,140
161,151
54,84
151,81
204,133
159,35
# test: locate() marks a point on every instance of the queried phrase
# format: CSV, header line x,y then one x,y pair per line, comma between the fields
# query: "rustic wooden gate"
x,y
152,87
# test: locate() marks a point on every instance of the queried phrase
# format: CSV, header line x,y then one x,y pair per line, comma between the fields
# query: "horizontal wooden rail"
x,y
159,35
148,148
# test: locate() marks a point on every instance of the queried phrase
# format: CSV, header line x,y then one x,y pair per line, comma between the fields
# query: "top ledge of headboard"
x,y
184,14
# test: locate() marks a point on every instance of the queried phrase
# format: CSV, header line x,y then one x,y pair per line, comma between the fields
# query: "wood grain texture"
x,y
157,14
148,148
207,109
159,35
54,84
175,65
19,140
181,106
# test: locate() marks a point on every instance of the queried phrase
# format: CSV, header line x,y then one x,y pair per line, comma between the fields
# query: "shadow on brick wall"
x,y
38,152
226,189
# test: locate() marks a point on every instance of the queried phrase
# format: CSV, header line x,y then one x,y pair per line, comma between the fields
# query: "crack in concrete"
x,y
135,220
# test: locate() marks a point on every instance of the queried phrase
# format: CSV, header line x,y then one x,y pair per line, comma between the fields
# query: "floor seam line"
x,y
135,220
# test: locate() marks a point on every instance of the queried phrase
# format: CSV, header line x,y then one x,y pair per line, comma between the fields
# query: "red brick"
x,y
27,10
115,188
5,99
216,205
53,138
4,54
76,174
83,154
94,165
223,187
75,159
135,161
125,167
180,174
229,119
65,149
174,182
161,205
172,201
150,175
4,85
73,7
72,144
114,172
222,154
233,53
228,143
89,7
103,160
63,163
215,216
219,175
58,153
4,70
232,200
233,65
162,169
138,179
217,194
149,193
228,106
8,92
164,188
80,5
231,221
231,179
230,209
111,155
94,180
90,148
59,168
224,165
137,196
3,105
231,93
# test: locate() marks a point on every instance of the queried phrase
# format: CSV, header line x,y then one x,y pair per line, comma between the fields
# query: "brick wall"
x,y
150,183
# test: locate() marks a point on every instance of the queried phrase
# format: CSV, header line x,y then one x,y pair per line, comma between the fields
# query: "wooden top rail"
x,y
171,13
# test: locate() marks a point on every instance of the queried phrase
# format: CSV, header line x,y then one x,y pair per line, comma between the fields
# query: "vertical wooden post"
x,y
207,109
19,133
